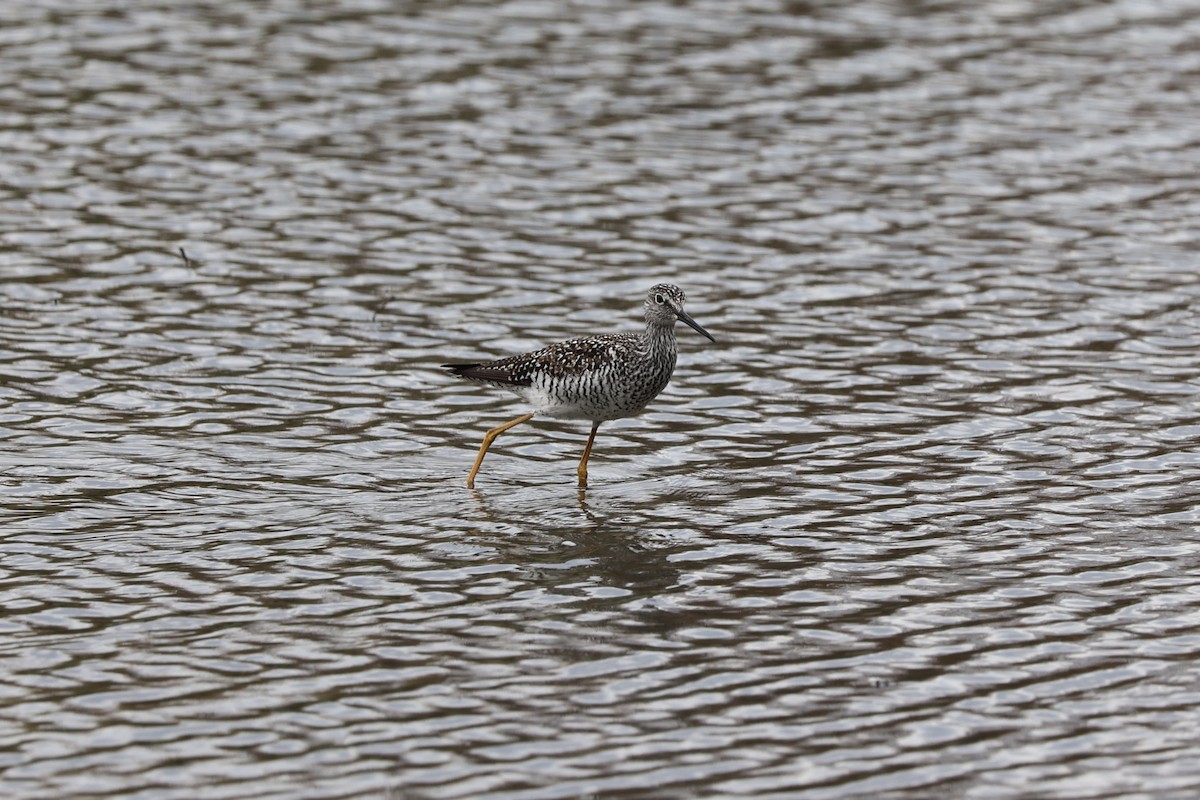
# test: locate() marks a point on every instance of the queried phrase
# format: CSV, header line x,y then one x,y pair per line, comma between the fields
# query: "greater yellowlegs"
x,y
596,378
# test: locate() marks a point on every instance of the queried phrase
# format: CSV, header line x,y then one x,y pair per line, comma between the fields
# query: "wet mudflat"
x,y
922,522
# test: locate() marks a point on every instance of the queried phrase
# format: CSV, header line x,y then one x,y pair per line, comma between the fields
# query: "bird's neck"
x,y
660,339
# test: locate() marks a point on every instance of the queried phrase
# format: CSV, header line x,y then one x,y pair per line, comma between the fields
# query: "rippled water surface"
x,y
922,522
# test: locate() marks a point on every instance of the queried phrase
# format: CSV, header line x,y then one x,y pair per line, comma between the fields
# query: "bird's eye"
x,y
658,298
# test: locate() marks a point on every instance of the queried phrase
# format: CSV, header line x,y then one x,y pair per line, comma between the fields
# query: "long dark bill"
x,y
683,315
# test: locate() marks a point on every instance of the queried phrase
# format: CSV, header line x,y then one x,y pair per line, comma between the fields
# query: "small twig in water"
x,y
187,262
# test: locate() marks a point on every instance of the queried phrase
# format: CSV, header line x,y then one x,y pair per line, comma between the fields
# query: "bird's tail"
x,y
480,372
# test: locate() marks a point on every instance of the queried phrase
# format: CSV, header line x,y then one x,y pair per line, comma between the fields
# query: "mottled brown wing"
x,y
571,357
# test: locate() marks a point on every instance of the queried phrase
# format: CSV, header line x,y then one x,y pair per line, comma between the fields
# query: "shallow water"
x,y
921,523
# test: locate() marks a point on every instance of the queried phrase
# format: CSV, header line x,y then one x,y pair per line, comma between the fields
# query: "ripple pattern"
x,y
922,523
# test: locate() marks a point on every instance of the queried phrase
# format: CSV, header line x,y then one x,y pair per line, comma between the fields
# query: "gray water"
x,y
922,523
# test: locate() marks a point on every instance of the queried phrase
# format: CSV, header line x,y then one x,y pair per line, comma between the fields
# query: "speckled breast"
x,y
610,392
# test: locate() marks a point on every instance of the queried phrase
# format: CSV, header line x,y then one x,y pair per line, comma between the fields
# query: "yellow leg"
x,y
587,451
488,438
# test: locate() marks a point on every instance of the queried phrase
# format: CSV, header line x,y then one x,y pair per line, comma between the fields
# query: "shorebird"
x,y
596,378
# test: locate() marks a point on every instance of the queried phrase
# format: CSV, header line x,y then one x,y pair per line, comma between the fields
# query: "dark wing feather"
x,y
571,357
491,372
